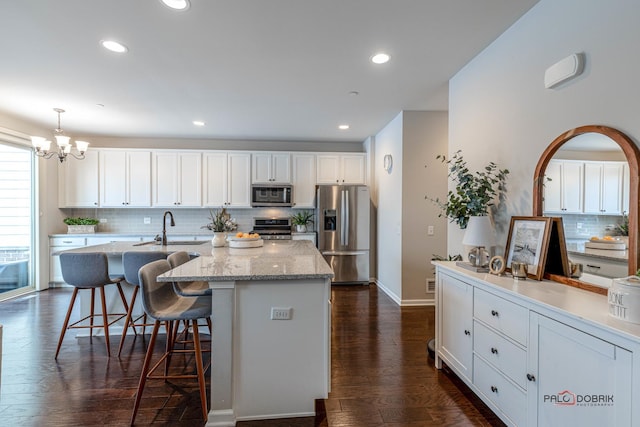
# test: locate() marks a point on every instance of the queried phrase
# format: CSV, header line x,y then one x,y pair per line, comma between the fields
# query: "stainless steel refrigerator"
x,y
342,212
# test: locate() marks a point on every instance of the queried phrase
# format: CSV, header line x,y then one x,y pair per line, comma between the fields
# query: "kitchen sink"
x,y
173,242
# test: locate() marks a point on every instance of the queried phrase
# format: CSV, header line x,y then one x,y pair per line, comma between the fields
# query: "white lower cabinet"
x,y
537,353
455,299
577,379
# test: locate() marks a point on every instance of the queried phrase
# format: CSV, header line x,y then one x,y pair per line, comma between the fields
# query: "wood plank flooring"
x,y
381,375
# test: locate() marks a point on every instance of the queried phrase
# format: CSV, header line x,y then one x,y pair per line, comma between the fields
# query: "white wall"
x,y
500,111
388,202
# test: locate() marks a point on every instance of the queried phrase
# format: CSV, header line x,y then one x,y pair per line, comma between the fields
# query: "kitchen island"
x,y
261,367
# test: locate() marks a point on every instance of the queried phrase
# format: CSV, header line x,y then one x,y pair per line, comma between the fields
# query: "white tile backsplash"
x,y
188,221
587,226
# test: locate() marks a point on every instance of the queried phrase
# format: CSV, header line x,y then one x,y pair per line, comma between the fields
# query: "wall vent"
x,y
431,285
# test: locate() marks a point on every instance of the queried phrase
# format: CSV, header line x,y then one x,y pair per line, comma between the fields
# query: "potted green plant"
x,y
220,224
79,225
474,192
301,220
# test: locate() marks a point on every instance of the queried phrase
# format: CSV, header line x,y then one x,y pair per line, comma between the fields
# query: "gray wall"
x,y
414,139
500,111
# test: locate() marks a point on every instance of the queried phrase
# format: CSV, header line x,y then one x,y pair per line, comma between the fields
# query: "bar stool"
x,y
132,261
188,289
161,302
89,271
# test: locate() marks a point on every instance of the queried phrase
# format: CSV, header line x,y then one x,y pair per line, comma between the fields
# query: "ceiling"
x,y
250,69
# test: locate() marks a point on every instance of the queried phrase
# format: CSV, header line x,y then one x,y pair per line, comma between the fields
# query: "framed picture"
x,y
528,242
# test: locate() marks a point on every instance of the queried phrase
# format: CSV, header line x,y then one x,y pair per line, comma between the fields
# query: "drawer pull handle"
x,y
494,389
494,350
494,313
531,377
467,332
593,266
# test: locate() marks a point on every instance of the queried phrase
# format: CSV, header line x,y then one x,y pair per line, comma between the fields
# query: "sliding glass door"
x,y
16,218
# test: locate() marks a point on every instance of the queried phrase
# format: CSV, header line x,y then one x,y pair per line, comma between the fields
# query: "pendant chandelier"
x,y
42,145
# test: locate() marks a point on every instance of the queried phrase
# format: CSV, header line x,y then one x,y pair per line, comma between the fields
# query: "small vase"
x,y
301,228
219,239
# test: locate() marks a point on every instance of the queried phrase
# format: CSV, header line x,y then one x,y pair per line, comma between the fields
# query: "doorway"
x,y
17,224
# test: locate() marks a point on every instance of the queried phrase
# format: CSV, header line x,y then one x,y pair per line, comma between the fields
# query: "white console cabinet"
x,y
538,353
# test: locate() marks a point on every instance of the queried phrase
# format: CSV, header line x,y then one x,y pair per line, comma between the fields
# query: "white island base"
x,y
263,368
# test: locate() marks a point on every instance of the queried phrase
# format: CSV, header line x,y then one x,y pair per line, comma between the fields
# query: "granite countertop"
x,y
276,260
576,247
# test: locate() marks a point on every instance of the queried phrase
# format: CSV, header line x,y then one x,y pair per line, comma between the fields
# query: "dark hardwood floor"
x,y
381,375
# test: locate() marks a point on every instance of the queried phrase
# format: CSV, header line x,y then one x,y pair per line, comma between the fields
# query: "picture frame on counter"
x,y
528,242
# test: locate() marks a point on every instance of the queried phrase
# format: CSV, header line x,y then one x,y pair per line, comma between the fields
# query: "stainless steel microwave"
x,y
271,195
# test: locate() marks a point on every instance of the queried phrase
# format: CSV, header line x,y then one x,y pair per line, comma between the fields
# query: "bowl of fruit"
x,y
245,240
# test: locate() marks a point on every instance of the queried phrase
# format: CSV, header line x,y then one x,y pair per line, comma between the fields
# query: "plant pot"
x,y
81,229
301,228
219,239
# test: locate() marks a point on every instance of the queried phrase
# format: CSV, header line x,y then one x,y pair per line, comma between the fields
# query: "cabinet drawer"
x,y
504,355
502,315
508,397
67,241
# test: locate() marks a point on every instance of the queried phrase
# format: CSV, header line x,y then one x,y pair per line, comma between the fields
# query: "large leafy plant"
x,y
474,192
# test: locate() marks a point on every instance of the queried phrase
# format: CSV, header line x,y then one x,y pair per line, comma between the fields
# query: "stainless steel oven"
x,y
272,228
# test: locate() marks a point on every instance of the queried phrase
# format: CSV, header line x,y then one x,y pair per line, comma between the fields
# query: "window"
x,y
16,218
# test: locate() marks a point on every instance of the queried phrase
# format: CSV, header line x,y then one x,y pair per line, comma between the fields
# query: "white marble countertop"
x,y
276,260
578,303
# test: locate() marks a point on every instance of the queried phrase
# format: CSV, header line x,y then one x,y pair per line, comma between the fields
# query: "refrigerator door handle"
x,y
347,218
342,217
344,252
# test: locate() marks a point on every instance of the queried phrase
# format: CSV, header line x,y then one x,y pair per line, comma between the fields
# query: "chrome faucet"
x,y
164,226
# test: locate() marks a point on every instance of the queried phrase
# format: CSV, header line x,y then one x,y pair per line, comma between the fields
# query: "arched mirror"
x,y
579,172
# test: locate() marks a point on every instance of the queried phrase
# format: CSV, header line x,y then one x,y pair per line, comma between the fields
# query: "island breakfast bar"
x,y
261,367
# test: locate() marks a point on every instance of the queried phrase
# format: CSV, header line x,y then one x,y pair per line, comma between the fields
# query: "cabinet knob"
x,y
494,313
531,378
95,203
494,350
494,389
467,332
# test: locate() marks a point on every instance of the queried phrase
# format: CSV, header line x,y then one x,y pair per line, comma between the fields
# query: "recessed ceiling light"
x,y
114,46
380,58
343,127
176,4
198,123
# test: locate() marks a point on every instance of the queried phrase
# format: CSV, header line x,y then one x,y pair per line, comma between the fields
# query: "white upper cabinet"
x,y
78,184
304,180
227,179
271,168
177,179
125,178
603,183
341,168
563,189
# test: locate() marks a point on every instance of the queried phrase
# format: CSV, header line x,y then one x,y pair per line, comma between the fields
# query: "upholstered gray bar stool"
x,y
187,289
162,303
89,271
132,261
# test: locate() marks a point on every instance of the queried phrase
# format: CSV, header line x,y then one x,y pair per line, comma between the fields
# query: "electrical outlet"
x,y
278,313
103,220
579,225
147,220
430,230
